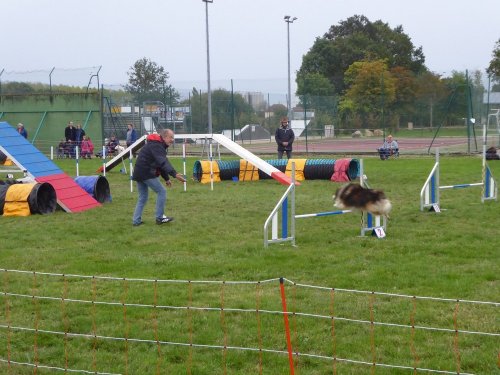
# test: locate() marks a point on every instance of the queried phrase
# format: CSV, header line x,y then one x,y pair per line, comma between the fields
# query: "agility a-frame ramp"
x,y
70,196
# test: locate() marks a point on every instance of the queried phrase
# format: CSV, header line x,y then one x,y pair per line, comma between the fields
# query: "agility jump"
x,y
430,197
373,224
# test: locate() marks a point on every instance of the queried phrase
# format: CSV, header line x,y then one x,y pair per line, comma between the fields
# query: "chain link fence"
x,y
457,108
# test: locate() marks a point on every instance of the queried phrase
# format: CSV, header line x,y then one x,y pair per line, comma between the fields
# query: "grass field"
x,y
218,236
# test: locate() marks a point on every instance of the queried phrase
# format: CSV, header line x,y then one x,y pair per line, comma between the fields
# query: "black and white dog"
x,y
356,197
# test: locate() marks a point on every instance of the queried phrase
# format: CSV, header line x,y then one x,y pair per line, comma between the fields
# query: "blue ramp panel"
x,y
26,155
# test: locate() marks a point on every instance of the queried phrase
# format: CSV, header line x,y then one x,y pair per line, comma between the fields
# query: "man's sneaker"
x,y
164,220
137,224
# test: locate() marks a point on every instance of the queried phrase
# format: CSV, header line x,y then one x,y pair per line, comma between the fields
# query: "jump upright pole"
x,y
430,197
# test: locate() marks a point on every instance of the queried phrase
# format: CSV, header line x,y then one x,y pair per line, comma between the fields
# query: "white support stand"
x,y
429,195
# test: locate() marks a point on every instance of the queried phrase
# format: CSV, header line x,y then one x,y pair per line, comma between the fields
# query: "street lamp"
x,y
209,91
289,20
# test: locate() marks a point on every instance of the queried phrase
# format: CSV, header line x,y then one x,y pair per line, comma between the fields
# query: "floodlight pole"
x,y
289,20
209,91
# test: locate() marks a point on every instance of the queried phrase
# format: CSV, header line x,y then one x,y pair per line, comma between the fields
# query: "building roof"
x,y
494,98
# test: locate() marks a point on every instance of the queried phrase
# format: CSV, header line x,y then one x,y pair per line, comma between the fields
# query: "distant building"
x,y
494,98
255,99
298,114
248,133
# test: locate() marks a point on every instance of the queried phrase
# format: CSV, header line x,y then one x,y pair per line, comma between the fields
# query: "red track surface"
x,y
361,145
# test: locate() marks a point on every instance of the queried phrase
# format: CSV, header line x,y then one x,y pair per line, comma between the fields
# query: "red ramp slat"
x,y
70,196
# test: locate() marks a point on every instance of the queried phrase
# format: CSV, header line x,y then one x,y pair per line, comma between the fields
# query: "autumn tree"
x,y
371,90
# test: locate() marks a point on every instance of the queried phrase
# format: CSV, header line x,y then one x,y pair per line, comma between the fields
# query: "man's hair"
x,y
165,132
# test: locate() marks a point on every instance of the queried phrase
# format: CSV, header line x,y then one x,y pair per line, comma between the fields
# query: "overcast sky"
x,y
248,38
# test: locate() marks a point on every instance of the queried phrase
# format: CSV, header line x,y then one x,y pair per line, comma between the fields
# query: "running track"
x,y
364,145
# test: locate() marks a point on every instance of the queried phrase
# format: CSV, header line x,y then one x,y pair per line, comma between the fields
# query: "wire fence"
x,y
450,106
118,325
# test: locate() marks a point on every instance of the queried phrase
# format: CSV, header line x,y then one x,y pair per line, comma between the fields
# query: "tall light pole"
x,y
209,91
289,20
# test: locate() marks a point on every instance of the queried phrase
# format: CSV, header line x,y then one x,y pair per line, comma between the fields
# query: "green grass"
x,y
218,235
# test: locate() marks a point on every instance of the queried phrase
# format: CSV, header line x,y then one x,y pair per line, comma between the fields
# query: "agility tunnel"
x,y
97,186
18,199
305,169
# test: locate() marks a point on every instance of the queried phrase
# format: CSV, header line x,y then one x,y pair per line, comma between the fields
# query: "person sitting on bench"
x,y
389,148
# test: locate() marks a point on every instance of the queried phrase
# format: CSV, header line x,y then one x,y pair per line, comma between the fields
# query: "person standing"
x,y
70,132
21,130
151,163
131,135
79,134
284,137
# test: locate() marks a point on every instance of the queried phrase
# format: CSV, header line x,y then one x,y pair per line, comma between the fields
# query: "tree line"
x,y
359,74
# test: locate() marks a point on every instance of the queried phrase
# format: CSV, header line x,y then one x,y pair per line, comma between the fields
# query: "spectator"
x,y
131,135
99,154
79,134
61,149
71,149
284,137
21,130
389,148
111,145
491,154
70,132
87,147
152,162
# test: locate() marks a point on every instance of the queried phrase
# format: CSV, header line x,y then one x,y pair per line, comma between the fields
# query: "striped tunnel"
x,y
305,169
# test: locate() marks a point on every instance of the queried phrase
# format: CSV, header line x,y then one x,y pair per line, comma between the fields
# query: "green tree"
x,y
406,90
358,39
494,67
276,112
17,88
279,111
478,91
456,106
317,94
147,81
431,96
372,88
222,111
